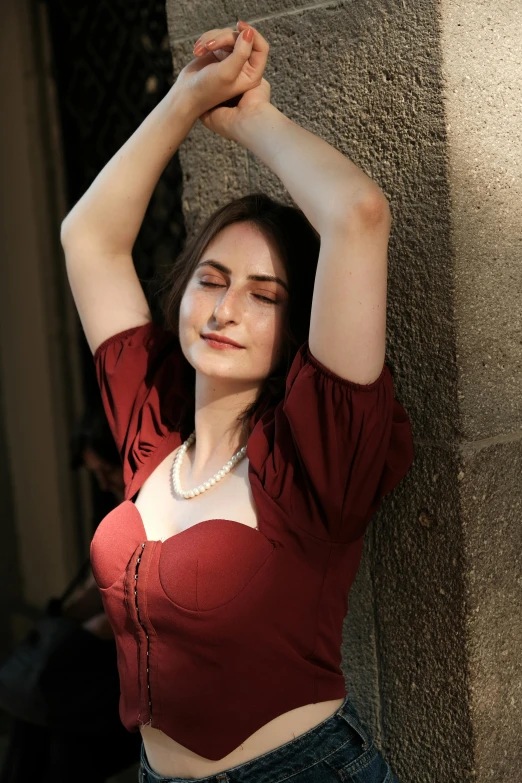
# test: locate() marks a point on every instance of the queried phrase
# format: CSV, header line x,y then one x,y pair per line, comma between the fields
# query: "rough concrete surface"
x,y
491,515
384,83
482,63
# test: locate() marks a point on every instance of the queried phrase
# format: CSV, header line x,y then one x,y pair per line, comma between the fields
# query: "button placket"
x,y
138,560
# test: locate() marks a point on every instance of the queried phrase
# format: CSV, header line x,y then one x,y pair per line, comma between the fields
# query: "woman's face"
x,y
251,312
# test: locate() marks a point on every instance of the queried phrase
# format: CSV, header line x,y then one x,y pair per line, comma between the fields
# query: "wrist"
x,y
254,122
264,133
177,103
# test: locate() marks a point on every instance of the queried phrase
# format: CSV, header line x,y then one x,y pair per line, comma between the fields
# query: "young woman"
x,y
258,432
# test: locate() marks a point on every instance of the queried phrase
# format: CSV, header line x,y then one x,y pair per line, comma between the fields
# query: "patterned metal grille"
x,y
112,65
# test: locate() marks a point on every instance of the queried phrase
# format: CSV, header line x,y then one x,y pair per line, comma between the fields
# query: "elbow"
x,y
64,231
71,226
373,208
370,208
71,232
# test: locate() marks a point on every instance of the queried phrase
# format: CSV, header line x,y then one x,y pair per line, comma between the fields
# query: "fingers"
x,y
252,53
216,39
260,47
226,37
236,61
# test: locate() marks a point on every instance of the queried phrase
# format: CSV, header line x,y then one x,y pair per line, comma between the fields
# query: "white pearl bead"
x,y
176,465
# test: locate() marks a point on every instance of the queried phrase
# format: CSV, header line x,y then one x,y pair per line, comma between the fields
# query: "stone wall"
x,y
425,98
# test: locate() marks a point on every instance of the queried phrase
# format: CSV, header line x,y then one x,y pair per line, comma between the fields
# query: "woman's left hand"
x,y
231,95
226,119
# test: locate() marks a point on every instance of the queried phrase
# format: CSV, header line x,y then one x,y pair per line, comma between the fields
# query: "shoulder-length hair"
x,y
298,244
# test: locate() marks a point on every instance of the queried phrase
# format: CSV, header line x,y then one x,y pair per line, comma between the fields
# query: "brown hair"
x,y
298,244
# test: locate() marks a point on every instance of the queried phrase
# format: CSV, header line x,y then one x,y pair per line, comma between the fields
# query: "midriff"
x,y
168,758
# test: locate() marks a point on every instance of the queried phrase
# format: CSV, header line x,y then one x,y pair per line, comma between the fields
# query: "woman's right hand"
x,y
226,69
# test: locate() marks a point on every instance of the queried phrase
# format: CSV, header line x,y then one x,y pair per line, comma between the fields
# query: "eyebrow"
x,y
222,268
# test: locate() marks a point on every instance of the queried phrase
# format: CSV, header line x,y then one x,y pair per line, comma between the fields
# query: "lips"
x,y
218,339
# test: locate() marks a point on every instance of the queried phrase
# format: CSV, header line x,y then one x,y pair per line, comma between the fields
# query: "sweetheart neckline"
x,y
159,541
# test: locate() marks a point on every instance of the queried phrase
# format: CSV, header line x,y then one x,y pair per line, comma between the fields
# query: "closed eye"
x,y
215,285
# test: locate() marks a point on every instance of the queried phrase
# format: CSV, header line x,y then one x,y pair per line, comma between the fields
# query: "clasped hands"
x,y
223,85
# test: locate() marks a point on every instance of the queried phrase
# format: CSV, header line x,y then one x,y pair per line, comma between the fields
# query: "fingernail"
x,y
248,34
211,43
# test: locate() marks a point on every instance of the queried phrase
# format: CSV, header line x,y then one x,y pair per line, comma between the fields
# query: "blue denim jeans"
x,y
338,749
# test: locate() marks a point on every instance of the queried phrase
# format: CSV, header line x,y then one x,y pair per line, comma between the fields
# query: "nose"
x,y
227,306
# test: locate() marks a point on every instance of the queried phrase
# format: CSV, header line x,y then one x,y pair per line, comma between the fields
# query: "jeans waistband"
x,y
313,746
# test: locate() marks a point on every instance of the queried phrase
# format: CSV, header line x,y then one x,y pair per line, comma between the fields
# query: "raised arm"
x,y
99,232
352,216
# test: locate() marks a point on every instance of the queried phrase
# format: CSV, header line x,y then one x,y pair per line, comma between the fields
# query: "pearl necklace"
x,y
190,493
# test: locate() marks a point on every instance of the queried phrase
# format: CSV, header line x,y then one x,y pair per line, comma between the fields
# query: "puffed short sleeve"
x,y
139,374
330,450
